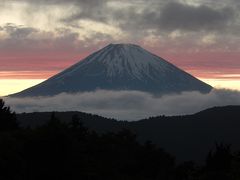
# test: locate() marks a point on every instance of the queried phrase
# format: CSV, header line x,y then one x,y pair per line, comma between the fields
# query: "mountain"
x,y
119,67
188,137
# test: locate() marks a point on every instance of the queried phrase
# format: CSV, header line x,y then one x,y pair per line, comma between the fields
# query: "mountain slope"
x,y
119,67
188,137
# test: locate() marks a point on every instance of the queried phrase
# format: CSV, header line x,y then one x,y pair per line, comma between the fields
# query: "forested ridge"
x,y
60,149
178,135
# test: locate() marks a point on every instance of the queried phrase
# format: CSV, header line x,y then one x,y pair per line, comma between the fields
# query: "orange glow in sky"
x,y
10,86
15,80
38,39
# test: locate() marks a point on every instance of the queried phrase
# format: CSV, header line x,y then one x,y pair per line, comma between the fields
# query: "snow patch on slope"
x,y
121,59
120,67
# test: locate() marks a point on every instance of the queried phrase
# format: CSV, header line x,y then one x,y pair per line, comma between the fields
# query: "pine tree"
x,y
8,120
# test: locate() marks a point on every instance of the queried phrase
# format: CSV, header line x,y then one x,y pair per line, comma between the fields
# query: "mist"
x,y
126,105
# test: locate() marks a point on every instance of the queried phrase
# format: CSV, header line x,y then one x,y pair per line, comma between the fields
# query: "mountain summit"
x,y
119,67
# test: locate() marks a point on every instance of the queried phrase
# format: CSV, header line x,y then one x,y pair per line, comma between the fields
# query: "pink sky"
x,y
40,38
35,66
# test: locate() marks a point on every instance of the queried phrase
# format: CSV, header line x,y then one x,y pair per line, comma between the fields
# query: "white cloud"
x,y
127,105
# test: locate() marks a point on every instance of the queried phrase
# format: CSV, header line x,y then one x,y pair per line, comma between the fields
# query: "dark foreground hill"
x,y
187,137
60,150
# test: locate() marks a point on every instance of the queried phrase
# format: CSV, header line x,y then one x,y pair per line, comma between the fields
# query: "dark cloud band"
x,y
185,17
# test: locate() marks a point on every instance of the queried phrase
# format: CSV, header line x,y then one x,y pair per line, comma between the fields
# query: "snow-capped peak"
x,y
120,67
120,59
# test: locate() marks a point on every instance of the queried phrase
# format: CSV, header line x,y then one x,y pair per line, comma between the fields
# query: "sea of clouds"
x,y
126,105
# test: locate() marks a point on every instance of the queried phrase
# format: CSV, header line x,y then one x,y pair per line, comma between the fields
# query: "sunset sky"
x,y
39,38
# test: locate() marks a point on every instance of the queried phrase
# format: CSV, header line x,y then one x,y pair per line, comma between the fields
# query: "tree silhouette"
x,y
219,163
220,159
8,119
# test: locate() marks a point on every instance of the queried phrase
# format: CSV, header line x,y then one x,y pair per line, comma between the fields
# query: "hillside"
x,y
188,137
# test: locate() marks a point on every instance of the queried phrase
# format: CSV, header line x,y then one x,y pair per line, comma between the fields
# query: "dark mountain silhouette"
x,y
69,150
119,67
188,137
